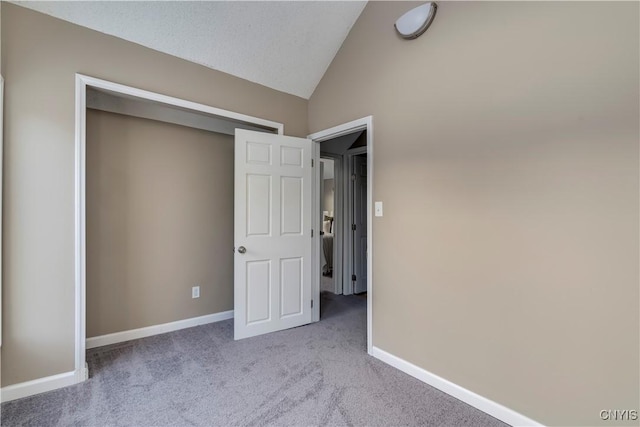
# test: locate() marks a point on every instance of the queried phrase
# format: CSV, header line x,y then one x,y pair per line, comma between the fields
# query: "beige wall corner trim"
x,y
157,329
488,406
41,385
365,123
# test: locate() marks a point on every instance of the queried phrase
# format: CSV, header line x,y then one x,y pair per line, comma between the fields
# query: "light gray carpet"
x,y
318,374
326,284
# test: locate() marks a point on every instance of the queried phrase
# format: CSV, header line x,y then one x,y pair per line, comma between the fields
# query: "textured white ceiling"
x,y
286,45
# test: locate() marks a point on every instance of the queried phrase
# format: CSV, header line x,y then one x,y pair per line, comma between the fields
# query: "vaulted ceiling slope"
x,y
284,45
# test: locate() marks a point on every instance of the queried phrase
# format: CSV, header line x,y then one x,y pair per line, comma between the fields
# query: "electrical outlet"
x,y
195,292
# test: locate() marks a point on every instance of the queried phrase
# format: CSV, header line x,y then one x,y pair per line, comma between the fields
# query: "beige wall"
x,y
506,153
40,56
159,221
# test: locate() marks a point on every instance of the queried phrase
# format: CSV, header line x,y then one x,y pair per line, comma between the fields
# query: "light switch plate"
x,y
378,208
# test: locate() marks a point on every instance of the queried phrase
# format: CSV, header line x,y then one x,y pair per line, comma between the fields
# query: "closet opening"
x,y
125,112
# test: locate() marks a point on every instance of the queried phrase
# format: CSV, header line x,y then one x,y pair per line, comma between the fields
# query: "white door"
x,y
360,225
272,233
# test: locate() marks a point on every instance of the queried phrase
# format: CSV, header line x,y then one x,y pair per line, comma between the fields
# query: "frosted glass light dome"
x,y
416,21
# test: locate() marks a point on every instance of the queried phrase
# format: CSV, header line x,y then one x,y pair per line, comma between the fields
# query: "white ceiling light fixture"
x,y
412,24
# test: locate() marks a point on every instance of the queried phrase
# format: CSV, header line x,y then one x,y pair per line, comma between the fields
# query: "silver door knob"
x,y
242,249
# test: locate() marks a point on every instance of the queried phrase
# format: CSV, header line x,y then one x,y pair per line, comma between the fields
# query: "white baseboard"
x,y
134,334
29,388
490,407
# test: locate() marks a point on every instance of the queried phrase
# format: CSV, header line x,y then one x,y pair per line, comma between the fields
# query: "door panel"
x,y
258,291
272,274
259,205
291,191
291,286
258,154
290,156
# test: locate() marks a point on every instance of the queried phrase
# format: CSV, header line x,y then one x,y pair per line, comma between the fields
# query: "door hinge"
x,y
353,177
353,277
353,227
312,232
311,162
311,303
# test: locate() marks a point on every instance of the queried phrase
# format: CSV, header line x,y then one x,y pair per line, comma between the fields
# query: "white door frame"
x,y
349,198
338,214
365,123
1,173
84,82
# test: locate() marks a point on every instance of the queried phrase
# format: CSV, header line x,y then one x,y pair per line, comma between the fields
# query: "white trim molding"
x,y
1,174
364,123
117,90
488,406
148,331
41,385
80,236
